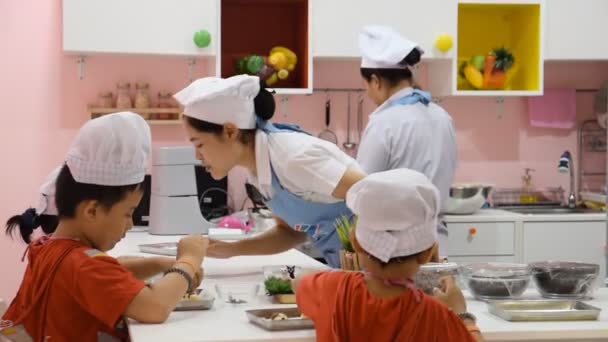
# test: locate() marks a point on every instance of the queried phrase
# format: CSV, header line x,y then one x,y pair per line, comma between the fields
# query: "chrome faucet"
x,y
566,164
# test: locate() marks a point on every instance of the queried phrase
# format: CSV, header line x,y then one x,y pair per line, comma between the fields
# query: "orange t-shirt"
x,y
343,309
87,294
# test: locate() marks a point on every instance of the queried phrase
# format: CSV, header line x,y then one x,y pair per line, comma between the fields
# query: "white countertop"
x,y
497,329
498,215
225,322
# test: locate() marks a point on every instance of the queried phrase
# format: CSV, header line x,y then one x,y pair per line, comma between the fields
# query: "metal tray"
x,y
205,302
294,321
163,248
543,310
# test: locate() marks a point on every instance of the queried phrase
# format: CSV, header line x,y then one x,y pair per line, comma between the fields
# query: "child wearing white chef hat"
x,y
45,217
72,290
395,234
407,130
303,179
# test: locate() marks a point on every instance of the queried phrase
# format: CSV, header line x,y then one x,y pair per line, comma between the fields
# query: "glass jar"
x,y
106,100
123,98
142,99
165,100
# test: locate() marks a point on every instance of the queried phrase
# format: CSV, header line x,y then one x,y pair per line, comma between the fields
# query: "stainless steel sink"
x,y
552,210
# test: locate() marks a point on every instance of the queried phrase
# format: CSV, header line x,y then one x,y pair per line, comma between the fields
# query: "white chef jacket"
x,y
416,137
305,165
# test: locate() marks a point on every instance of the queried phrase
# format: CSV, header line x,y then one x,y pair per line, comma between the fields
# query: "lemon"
x,y
283,73
443,42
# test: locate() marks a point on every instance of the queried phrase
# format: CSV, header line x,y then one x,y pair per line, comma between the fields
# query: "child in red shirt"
x,y
44,216
396,230
73,291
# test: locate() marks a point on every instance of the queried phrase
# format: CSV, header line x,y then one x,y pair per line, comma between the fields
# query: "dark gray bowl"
x,y
497,288
556,279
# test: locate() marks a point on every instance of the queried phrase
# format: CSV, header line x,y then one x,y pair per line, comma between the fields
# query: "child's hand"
x,y
193,248
164,263
198,278
450,294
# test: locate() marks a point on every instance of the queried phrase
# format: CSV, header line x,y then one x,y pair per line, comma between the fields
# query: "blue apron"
x,y
317,220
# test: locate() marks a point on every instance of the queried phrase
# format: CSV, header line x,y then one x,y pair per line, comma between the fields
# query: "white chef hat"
x,y
383,48
222,100
111,150
46,204
396,213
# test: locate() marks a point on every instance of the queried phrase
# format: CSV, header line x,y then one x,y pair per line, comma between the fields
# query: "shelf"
x,y
497,93
256,26
516,25
147,113
593,173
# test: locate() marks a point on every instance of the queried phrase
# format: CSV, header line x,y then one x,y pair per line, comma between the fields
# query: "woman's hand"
x,y
221,249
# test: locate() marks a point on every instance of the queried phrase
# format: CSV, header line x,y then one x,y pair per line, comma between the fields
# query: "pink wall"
x,y
44,103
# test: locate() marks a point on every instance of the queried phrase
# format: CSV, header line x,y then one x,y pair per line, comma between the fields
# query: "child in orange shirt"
x,y
44,216
396,231
73,291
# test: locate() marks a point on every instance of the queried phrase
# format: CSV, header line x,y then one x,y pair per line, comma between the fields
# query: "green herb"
x,y
343,228
275,286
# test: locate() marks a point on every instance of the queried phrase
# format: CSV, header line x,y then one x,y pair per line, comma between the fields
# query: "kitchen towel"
x,y
555,109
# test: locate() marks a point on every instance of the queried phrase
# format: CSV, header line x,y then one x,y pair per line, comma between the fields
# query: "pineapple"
x,y
504,59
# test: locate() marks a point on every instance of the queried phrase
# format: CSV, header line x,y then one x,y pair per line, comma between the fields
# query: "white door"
x,y
138,26
576,30
565,241
337,23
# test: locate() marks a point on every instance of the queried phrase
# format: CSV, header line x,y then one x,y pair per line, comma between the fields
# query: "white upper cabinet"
x,y
336,23
138,26
576,30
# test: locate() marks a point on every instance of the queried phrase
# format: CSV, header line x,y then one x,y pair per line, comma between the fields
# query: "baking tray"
x,y
204,303
294,321
163,248
543,310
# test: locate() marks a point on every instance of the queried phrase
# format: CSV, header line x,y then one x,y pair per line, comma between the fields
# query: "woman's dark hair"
x,y
264,107
68,194
394,76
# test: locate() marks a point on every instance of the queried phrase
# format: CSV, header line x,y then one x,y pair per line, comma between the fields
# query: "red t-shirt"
x,y
87,294
343,309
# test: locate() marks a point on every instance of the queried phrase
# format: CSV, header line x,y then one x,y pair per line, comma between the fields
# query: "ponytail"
x,y
28,221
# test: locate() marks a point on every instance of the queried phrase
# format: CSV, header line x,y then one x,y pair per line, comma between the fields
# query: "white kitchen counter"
x,y
498,215
225,322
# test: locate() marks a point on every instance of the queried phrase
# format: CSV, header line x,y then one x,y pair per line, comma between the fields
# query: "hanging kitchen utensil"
x,y
328,134
600,105
349,145
360,115
284,105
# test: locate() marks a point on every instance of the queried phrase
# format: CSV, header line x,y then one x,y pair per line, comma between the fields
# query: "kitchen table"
x,y
228,323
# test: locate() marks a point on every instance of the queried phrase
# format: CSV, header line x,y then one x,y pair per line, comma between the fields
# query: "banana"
x,y
474,76
278,60
291,56
272,79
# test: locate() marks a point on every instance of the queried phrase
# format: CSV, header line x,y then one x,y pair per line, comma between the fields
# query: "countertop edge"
x,y
496,215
